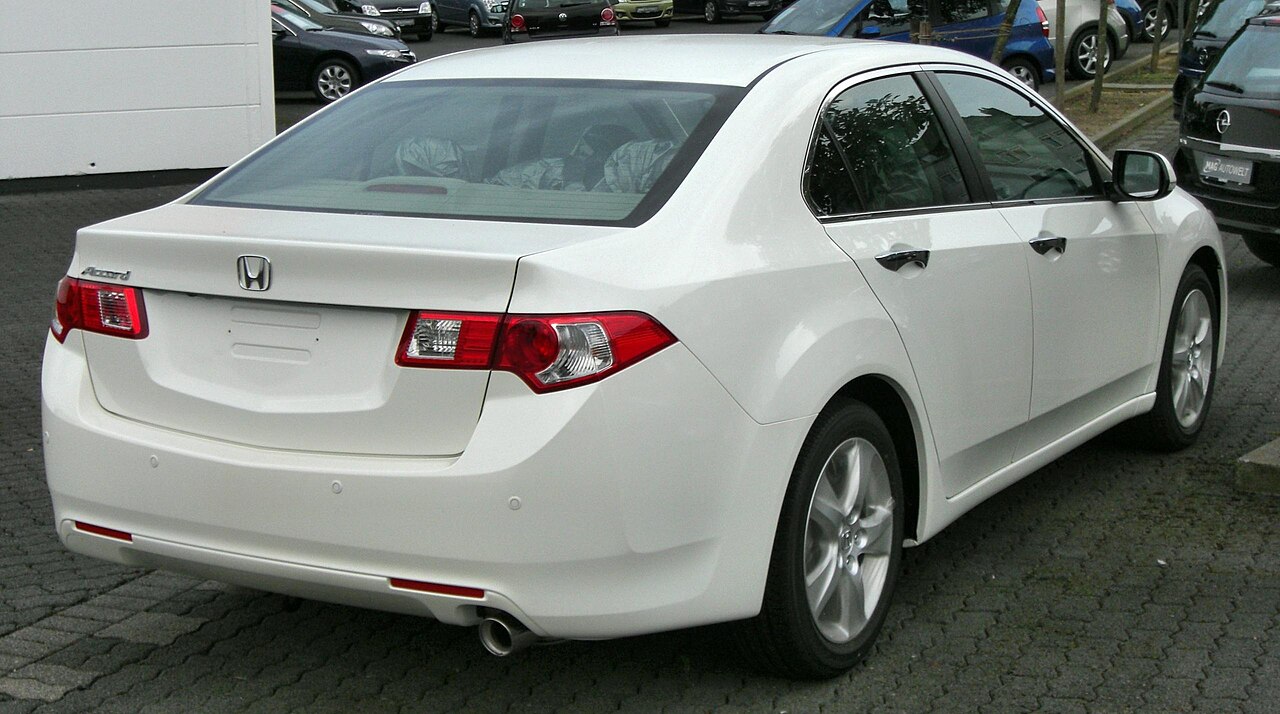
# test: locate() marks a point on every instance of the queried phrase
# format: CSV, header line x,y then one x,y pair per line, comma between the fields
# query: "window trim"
x,y
972,181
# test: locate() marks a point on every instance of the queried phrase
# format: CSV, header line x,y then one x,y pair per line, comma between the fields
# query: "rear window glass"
x,y
1250,64
555,151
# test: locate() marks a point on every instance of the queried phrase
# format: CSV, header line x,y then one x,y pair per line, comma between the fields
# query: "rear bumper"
x,y
637,12
625,520
1233,211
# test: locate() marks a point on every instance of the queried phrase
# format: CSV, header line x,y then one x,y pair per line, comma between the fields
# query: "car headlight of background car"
x,y
377,29
496,6
370,10
389,54
424,8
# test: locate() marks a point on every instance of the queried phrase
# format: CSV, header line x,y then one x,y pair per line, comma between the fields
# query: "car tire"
x,y
662,23
855,545
1149,9
711,12
1188,366
333,79
1266,249
1079,64
1023,70
473,24
436,25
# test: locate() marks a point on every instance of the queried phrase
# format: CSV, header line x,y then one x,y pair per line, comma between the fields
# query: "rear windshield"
x,y
1250,64
554,151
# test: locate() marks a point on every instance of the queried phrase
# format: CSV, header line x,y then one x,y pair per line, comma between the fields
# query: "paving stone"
x,y
153,628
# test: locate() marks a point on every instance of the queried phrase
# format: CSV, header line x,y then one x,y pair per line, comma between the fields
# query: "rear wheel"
x,y
1265,248
836,552
1023,71
334,79
1082,57
711,12
1149,11
1184,388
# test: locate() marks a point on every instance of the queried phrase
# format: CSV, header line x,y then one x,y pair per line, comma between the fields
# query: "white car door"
x,y
884,179
1093,263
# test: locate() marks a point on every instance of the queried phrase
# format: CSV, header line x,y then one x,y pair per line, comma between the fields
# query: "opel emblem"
x,y
1224,121
563,17
255,272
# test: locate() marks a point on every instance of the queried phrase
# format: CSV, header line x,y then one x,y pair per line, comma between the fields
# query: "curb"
x,y
1259,470
1134,119
1129,68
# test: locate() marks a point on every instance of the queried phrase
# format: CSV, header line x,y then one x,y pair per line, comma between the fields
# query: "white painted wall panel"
x,y
93,86
69,144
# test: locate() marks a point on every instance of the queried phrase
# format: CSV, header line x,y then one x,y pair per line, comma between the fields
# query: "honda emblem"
x,y
255,272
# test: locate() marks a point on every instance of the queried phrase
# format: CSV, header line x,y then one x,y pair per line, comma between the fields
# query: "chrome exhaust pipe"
x,y
503,634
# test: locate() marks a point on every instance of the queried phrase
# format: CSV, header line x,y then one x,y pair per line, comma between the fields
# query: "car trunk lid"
x,y
309,362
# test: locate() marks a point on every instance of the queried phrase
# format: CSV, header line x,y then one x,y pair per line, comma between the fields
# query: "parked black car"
x,y
716,10
413,17
549,19
1229,156
330,63
323,12
1218,22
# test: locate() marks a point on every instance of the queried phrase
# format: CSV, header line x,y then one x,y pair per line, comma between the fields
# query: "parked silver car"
x,y
1081,34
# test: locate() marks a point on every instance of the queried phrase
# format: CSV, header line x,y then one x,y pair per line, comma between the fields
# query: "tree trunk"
x,y
1002,35
1157,37
1100,56
1060,56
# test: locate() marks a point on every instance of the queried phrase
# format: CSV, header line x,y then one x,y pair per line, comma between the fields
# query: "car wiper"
x,y
1229,86
1204,33
576,4
780,32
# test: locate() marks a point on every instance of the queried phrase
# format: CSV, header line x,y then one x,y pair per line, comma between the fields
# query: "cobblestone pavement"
x,y
1111,580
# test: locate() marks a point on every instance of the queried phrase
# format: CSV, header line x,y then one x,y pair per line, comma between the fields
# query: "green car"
x,y
659,11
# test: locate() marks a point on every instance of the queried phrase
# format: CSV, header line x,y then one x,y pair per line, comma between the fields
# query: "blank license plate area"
x,y
1224,169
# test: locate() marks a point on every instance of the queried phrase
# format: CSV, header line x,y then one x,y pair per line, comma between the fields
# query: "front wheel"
x,y
435,20
711,12
1149,12
1264,248
334,79
1023,71
836,553
1184,388
473,24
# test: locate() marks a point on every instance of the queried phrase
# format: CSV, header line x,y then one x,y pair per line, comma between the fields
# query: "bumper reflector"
x,y
104,532
436,588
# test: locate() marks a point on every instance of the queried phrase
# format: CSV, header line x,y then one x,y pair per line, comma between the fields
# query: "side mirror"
x,y
870,32
1141,176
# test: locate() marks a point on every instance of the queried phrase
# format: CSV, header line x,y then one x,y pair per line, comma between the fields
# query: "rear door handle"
x,y
1048,243
896,260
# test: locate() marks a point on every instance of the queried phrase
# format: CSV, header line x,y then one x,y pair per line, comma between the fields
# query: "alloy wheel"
x,y
710,12
334,82
1191,362
1023,74
848,540
1149,23
1087,54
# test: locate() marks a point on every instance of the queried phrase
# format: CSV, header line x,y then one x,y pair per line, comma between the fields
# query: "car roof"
x,y
734,60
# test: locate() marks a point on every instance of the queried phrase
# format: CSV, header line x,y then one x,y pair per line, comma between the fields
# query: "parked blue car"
x,y
1132,13
966,25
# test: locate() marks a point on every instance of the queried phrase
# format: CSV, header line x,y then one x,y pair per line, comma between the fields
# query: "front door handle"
x,y
1048,243
896,260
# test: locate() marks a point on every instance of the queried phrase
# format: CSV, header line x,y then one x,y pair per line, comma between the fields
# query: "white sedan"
x,y
508,340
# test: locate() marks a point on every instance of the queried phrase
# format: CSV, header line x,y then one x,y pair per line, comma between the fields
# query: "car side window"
x,y
890,16
879,147
947,12
1027,153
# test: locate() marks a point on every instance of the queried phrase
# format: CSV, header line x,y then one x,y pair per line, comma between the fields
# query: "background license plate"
x,y
404,23
1225,169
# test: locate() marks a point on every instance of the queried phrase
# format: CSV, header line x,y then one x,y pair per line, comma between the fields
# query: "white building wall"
x,y
103,86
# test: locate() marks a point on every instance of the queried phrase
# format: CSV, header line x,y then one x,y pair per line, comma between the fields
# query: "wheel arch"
x,y
891,403
1020,55
1211,263
334,54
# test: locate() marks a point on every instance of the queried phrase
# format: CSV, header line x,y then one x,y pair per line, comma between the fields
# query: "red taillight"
x,y
452,340
98,307
1044,20
517,23
606,16
548,352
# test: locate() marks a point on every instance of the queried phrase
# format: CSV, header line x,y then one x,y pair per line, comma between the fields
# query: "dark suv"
x,y
1229,156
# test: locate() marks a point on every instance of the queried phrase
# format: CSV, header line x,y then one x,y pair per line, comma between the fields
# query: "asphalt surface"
x,y
1112,580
